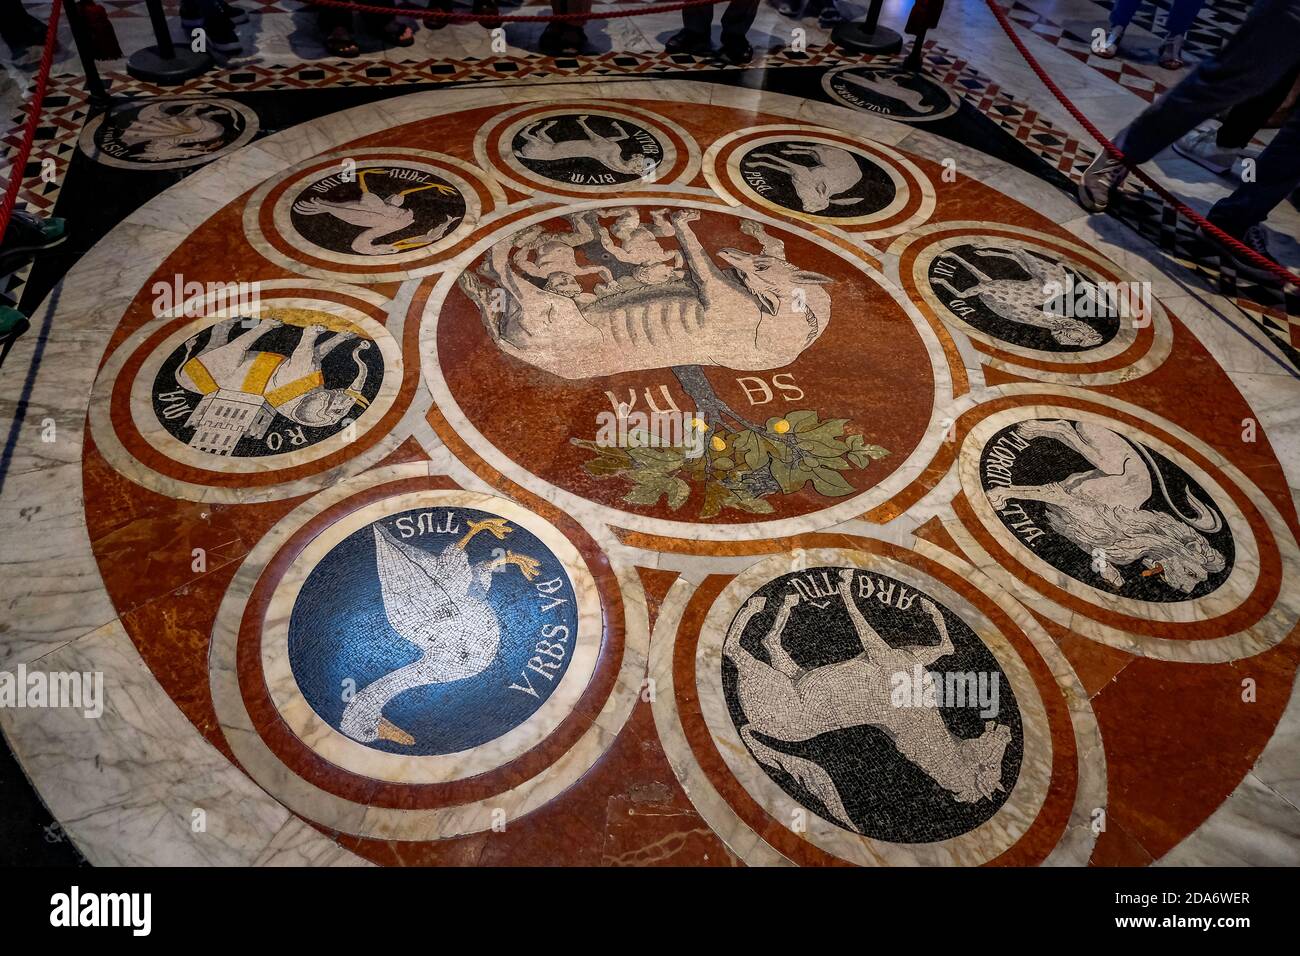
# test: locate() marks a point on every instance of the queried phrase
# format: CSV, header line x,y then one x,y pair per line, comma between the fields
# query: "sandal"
x,y
1171,53
340,43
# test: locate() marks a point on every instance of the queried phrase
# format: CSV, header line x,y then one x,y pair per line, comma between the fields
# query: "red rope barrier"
x,y
495,18
33,118
1263,262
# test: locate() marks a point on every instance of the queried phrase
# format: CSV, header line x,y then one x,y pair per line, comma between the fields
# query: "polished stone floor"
x,y
462,456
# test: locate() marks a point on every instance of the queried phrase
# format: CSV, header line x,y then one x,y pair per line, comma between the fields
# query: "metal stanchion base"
x,y
148,64
855,37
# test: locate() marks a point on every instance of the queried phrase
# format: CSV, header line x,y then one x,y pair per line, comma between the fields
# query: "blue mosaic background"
x,y
339,630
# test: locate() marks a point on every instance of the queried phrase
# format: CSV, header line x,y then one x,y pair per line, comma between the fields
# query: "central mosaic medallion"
x,y
872,705
682,363
433,630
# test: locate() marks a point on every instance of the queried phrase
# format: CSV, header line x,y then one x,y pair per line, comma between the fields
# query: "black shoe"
x,y
221,35
1254,238
192,14
26,236
830,16
736,50
235,14
688,41
1100,180
562,39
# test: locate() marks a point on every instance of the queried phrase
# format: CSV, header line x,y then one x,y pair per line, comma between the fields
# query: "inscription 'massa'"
x,y
588,150
433,631
1107,510
872,705
249,388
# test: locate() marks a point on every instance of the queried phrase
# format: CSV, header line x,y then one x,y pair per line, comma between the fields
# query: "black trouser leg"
x,y
1249,116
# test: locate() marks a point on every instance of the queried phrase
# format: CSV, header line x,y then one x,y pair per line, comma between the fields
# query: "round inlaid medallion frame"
x,y
456,420
309,791
954,101
493,150
1135,350
347,753
91,149
905,175
481,194
154,440
752,840
1219,626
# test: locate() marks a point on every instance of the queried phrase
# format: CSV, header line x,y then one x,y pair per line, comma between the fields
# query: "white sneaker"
x,y
1199,146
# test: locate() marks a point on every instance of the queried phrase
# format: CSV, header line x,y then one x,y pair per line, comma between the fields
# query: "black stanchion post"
x,y
868,36
165,64
913,61
100,99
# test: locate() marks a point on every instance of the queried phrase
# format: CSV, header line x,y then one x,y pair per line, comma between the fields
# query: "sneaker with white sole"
x,y
1104,175
1201,147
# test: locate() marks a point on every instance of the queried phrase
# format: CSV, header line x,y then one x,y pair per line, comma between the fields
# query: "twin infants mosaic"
x,y
868,699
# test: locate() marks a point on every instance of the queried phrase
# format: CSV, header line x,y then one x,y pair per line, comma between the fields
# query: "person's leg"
x,y
18,27
576,33
1121,15
329,19
561,37
1277,173
1248,117
738,18
1261,52
1181,16
336,28
698,20
694,36
1252,60
1176,26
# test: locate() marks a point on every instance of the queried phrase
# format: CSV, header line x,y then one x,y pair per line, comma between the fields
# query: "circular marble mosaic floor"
x,y
652,471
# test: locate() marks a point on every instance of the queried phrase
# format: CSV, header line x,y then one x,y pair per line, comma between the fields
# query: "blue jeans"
x,y
1263,50
1180,17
